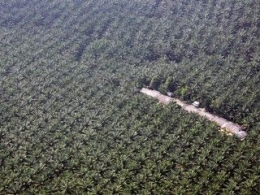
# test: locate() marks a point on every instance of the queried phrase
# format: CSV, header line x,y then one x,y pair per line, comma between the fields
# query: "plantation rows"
x,y
72,120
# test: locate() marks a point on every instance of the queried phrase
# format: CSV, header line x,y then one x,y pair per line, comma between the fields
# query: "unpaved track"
x,y
229,126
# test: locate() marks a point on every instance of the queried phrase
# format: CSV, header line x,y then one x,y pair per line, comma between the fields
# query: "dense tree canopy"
x,y
71,121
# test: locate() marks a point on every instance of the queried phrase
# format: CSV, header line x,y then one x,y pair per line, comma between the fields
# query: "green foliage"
x,y
71,121
168,86
155,83
184,91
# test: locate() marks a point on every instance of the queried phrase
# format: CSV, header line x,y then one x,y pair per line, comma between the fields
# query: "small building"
x,y
196,104
170,94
